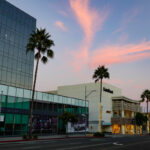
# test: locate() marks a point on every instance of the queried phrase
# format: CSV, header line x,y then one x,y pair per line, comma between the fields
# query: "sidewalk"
x,y
48,137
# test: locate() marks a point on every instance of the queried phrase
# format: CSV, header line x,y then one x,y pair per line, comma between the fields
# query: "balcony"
x,y
121,121
118,105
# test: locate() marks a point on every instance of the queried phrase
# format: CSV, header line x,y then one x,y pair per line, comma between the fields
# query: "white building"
x,y
109,91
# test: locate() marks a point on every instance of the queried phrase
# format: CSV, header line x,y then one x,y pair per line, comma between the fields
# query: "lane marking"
x,y
84,146
126,145
118,144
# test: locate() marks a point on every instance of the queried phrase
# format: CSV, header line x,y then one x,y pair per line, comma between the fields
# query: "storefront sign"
x,y
1,118
107,90
80,126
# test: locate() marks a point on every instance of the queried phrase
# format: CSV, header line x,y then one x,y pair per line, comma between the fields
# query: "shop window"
x,y
17,119
26,103
9,119
18,103
10,102
24,119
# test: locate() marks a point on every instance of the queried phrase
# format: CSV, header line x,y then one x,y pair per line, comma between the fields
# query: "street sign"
x,y
1,118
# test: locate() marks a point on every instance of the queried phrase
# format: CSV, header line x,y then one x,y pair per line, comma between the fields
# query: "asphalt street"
x,y
115,143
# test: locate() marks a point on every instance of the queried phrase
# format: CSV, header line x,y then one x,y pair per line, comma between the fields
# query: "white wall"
x,y
78,91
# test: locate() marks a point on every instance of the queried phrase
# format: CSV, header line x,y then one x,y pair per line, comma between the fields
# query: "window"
x,y
10,102
11,91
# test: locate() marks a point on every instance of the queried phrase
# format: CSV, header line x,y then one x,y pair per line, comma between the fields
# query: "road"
x,y
116,143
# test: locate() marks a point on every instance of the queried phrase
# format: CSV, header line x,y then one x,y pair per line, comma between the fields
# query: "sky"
x,y
89,33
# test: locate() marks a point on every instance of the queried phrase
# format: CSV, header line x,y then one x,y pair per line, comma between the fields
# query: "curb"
x,y
11,141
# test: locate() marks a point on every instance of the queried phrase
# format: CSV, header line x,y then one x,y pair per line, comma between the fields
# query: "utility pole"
x,y
1,102
86,95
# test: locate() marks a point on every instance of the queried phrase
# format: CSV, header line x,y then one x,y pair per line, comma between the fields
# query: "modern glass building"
x,y
16,75
15,104
16,68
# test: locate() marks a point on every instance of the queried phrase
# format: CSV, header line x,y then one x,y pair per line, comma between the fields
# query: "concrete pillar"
x,y
123,129
122,114
122,110
132,115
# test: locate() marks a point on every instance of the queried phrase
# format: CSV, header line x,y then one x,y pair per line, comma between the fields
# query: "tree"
x,y
39,43
99,74
68,117
140,119
146,97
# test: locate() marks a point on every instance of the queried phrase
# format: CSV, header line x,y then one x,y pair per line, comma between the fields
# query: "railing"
x,y
126,106
120,120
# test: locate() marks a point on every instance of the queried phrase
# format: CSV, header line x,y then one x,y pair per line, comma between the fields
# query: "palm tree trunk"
x,y
100,111
33,91
147,118
101,91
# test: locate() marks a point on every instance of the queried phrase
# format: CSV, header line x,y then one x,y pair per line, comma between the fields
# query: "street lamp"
x,y
86,95
1,102
148,114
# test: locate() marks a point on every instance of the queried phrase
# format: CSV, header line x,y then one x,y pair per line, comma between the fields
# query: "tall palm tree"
x,y
39,43
146,97
99,74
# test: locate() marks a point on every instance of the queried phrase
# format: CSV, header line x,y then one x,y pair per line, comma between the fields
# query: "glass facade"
x,y
16,67
15,106
16,75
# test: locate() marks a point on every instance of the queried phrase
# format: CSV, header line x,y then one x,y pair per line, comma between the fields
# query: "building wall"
x,y
124,111
78,91
15,111
16,68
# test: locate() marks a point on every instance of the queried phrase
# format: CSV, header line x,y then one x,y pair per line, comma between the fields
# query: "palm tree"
x,y
146,97
99,74
39,43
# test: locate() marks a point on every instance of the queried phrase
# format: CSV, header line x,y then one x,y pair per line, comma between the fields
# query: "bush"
x,y
35,136
99,134
24,136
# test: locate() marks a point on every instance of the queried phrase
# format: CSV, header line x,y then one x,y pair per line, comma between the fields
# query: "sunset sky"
x,y
89,33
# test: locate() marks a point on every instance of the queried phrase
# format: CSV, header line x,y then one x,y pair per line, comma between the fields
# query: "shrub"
x,y
35,136
99,134
24,136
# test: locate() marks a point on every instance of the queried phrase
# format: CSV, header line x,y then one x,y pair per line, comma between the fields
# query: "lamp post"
x,y
148,114
1,102
86,95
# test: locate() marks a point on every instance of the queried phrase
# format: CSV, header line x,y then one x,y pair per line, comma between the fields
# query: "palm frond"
x,y
44,59
100,73
146,95
96,80
37,55
41,41
50,53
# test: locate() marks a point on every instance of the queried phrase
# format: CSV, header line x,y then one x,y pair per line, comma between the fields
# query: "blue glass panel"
x,y
45,96
11,91
27,93
3,89
19,92
39,96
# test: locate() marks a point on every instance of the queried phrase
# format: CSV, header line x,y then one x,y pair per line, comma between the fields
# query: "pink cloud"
x,y
90,21
112,54
87,17
60,25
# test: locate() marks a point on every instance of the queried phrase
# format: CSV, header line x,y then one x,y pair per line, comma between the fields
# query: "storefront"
x,y
15,106
123,119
